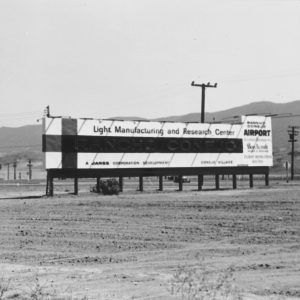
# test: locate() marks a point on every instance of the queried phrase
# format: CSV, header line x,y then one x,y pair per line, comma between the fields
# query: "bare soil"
x,y
130,246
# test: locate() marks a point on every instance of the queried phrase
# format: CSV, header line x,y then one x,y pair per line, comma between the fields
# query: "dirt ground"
x,y
131,246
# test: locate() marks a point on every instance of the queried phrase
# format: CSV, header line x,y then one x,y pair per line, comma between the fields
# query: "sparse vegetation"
x,y
4,286
199,283
36,290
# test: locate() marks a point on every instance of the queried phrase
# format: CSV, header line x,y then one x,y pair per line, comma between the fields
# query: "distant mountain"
x,y
21,142
263,108
26,141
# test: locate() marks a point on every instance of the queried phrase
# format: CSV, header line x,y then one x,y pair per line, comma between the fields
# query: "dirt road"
x,y
131,246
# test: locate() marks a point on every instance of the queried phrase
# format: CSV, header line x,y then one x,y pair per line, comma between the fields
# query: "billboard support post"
x,y
180,183
50,187
75,185
234,181
98,185
141,184
200,182
251,180
267,179
121,183
47,184
160,178
217,179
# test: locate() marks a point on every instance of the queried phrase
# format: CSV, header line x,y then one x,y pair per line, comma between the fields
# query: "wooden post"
x,y
47,184
267,178
251,180
75,185
98,185
160,178
141,185
51,186
180,185
200,182
234,181
121,183
217,178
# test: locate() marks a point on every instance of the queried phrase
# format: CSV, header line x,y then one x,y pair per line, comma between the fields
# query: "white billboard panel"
x,y
156,129
113,144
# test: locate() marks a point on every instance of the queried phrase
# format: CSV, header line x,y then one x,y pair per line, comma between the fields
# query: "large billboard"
x,y
112,144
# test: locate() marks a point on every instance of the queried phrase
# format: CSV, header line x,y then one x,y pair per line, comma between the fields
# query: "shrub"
x,y
109,187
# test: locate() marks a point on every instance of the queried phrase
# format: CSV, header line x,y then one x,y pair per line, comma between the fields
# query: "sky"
x,y
107,58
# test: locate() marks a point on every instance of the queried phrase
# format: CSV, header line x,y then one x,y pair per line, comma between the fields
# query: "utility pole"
x,y
203,87
29,169
7,171
15,170
292,133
